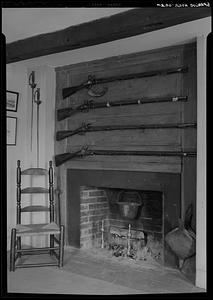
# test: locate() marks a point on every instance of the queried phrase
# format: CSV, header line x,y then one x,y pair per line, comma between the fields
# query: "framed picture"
x,y
12,101
11,131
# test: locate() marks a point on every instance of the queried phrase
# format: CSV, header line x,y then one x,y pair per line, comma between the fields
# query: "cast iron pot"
x,y
129,202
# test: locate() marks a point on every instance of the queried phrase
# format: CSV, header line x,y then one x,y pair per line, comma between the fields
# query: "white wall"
x,y
201,163
36,20
17,79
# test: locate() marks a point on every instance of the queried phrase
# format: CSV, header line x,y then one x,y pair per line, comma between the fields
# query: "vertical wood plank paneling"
x,y
157,86
158,139
189,138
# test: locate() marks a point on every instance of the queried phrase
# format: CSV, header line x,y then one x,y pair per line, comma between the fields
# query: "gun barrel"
x,y
140,153
139,126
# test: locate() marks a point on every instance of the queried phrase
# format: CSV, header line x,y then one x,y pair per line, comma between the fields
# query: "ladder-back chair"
x,y
51,229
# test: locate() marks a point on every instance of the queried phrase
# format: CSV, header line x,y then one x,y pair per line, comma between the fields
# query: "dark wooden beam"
x,y
122,25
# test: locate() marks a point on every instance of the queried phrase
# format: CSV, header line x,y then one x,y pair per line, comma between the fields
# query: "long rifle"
x,y
90,104
60,135
66,92
85,151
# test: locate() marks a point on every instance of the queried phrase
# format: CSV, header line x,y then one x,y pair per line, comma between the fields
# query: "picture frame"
x,y
12,101
11,131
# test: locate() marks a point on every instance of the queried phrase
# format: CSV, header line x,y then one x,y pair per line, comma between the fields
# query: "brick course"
x,y
94,209
93,199
96,193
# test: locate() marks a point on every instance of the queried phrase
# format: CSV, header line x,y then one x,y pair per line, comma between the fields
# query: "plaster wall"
x,y
16,81
201,164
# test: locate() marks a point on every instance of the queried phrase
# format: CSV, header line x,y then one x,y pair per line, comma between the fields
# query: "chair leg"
x,y
51,243
12,249
19,245
61,247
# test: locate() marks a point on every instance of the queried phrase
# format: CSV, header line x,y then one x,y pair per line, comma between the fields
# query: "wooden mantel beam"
x,y
122,25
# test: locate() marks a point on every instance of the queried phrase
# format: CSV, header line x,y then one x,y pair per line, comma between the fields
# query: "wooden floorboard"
x,y
85,273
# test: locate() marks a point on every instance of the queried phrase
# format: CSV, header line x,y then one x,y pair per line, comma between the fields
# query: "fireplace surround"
x,y
100,185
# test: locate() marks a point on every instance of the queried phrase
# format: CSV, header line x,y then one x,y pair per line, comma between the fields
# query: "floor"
x,y
89,273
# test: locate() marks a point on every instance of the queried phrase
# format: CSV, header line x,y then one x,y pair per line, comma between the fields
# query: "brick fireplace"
x,y
107,223
94,211
92,203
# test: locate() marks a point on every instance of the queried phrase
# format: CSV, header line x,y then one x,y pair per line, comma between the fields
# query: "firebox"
x,y
128,223
125,212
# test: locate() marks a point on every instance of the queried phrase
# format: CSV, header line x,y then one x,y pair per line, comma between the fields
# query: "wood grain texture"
x,y
35,190
189,140
134,163
162,113
34,208
122,25
153,139
34,171
133,114
189,187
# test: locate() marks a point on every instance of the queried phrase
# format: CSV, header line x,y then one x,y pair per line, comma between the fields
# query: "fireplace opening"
x,y
96,221
125,223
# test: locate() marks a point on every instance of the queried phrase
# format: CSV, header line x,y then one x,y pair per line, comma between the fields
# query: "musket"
x,y
92,80
60,135
85,151
90,104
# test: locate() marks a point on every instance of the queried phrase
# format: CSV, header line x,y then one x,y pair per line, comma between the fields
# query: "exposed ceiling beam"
x,y
122,25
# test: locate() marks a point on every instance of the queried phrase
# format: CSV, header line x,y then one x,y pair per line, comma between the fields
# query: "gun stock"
x,y
66,92
65,113
60,135
62,158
